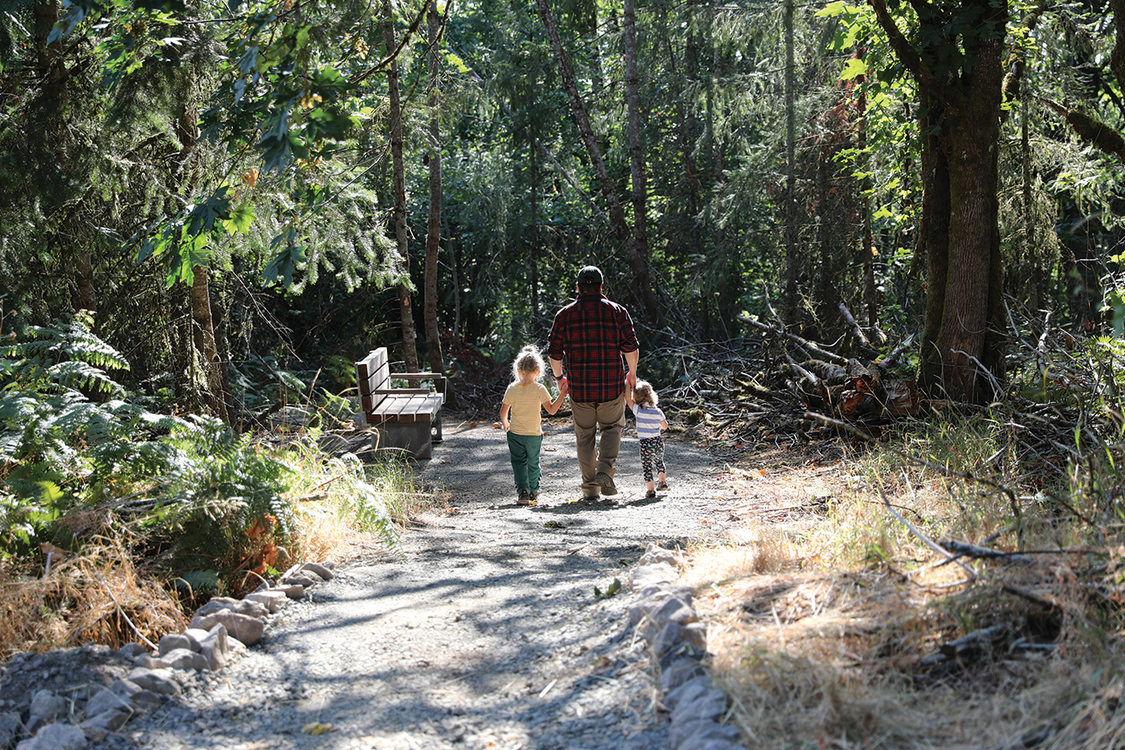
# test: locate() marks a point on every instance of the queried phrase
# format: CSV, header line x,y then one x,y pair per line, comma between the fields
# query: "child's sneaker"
x,y
663,485
524,498
650,494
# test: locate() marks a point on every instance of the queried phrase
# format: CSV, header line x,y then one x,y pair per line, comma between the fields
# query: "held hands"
x,y
564,386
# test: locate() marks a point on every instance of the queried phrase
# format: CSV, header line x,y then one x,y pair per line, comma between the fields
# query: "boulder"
x,y
140,699
293,591
246,629
321,571
106,700
225,603
300,578
56,737
711,705
216,647
696,734
157,680
47,706
656,573
185,659
271,599
173,641
130,651
691,690
98,727
680,672
10,728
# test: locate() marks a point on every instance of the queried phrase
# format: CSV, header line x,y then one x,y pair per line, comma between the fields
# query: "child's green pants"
x,y
525,460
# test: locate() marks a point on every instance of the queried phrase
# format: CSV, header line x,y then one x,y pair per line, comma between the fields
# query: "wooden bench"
x,y
408,419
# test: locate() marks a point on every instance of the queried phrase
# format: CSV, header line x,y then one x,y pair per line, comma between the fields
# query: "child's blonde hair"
x,y
528,360
644,396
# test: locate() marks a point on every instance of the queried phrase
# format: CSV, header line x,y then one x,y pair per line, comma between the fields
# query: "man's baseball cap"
x,y
590,275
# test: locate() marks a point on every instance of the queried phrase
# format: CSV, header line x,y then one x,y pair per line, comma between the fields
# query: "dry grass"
x,y
95,597
823,608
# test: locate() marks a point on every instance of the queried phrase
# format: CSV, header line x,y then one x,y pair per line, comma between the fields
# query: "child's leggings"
x,y
525,460
652,455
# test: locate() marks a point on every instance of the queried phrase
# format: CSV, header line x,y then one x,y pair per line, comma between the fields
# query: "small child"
x,y
650,421
525,431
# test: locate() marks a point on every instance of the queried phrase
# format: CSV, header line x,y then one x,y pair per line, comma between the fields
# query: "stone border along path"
x,y
483,630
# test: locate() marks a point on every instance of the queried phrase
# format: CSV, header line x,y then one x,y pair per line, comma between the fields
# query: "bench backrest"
x,y
373,373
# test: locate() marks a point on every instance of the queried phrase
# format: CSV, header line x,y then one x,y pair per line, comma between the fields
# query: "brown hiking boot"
x,y
606,482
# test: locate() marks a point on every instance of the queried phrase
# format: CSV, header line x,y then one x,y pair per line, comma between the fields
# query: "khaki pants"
x,y
610,417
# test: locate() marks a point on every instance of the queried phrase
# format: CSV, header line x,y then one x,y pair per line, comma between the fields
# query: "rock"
x,y
292,591
240,606
693,735
144,661
657,554
56,737
105,700
184,658
683,650
667,638
711,705
676,610
140,699
647,575
691,690
272,600
96,728
10,728
246,629
196,636
157,680
680,672
173,641
318,570
130,651
216,648
47,706
301,579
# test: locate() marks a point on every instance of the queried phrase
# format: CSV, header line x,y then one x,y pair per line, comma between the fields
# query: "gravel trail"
x,y
482,630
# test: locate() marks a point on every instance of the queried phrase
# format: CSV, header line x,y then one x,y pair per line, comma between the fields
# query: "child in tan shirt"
x,y
522,401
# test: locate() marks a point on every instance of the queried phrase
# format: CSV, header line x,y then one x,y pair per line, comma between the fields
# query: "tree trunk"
x,y
638,264
636,147
791,259
533,236
406,309
962,346
203,338
433,231
867,242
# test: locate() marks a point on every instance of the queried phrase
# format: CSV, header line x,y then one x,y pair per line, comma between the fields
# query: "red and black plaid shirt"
x,y
591,334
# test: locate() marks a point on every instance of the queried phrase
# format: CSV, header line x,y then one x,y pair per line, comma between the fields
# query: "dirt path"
x,y
481,631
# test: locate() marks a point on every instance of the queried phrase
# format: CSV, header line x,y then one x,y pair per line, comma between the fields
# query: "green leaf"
x,y
854,68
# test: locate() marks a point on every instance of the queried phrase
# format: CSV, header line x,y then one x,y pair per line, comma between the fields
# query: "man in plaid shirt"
x,y
594,335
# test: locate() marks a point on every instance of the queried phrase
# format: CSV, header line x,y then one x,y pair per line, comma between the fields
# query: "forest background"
x,y
210,210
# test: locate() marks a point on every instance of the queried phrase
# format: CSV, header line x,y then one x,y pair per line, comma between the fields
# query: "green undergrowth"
x,y
184,504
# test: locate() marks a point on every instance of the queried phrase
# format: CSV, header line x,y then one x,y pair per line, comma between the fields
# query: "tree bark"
x,y
638,264
791,259
960,229
406,309
203,338
636,146
433,231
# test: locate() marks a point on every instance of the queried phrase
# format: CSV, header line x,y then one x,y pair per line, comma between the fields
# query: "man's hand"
x,y
631,379
564,386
